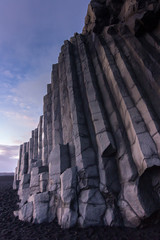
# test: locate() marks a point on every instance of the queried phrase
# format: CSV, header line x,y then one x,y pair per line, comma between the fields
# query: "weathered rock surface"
x,y
141,15
94,158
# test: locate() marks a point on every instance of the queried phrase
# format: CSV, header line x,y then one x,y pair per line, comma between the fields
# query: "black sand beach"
x,y
12,228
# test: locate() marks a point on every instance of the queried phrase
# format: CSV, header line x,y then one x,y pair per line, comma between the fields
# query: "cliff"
x,y
94,158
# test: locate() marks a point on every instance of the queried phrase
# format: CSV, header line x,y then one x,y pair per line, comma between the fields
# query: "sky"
x,y
31,35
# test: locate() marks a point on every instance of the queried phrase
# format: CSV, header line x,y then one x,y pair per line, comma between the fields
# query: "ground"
x,y
12,228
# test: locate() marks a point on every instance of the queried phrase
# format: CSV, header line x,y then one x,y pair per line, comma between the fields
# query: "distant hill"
x,y
6,174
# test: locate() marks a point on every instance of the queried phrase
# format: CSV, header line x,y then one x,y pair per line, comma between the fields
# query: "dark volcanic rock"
x,y
147,23
144,15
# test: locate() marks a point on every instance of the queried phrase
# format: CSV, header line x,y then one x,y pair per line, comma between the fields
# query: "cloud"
x,y
8,74
16,127
31,91
15,116
8,158
32,33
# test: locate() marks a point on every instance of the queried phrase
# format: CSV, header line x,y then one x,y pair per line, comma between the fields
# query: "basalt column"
x,y
94,158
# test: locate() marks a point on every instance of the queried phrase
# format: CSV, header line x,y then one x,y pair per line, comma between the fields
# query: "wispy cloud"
x,y
8,158
15,127
7,73
15,116
32,33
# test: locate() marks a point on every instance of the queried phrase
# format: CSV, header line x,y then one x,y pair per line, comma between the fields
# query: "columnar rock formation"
x,y
94,158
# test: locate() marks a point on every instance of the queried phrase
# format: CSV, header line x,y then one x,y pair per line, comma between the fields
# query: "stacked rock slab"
x,y
94,158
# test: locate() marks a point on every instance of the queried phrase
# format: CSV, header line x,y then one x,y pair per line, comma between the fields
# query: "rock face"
x,y
94,158
142,15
